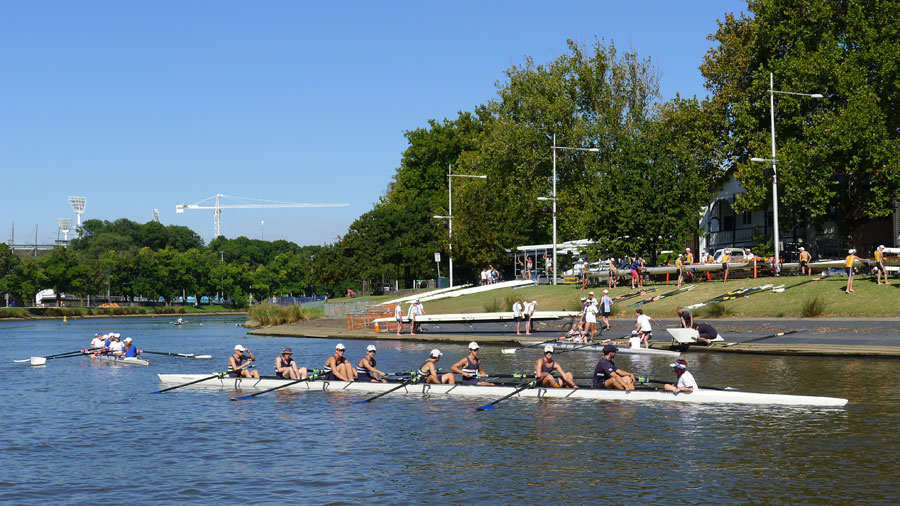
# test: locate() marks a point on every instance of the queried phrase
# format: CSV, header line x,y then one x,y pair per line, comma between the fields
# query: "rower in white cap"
x,y
429,373
366,370
240,363
805,258
543,371
337,367
470,367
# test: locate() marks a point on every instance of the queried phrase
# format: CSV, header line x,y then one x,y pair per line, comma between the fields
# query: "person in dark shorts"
x,y
607,375
705,333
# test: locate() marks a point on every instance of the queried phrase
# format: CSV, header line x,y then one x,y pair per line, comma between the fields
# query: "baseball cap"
x,y
583,299
608,348
852,251
801,248
590,293
238,347
605,291
127,339
548,348
881,247
687,249
436,353
473,345
340,346
534,302
370,347
680,364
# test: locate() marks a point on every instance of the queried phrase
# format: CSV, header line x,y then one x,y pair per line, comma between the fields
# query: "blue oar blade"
x,y
156,392
362,401
242,398
485,407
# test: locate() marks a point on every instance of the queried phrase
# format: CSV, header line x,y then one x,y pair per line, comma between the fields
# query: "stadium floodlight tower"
x,y
78,204
65,224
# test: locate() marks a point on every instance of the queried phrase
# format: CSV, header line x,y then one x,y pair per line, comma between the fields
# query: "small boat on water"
x,y
702,396
598,347
112,359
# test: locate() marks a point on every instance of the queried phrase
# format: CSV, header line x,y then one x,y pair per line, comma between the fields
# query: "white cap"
x,y
370,347
687,249
340,346
677,365
605,291
881,247
534,302
548,348
583,299
852,251
238,347
127,339
590,293
436,353
801,248
473,345
117,334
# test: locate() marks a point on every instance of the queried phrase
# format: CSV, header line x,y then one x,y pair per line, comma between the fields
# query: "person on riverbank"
x,y
530,307
429,374
366,369
469,367
398,316
607,375
517,311
605,309
879,265
337,367
642,325
590,322
416,309
286,367
688,260
687,318
805,258
613,275
679,269
705,333
848,268
543,371
584,274
726,257
240,362
685,380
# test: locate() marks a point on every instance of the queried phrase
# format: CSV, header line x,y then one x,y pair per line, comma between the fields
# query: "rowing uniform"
x,y
231,372
116,346
471,369
679,265
364,374
603,372
686,380
398,314
848,264
423,376
529,310
606,305
879,260
96,343
284,363
329,374
725,260
131,352
545,369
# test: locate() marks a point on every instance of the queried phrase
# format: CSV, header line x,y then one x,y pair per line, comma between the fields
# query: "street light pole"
x,y
773,161
449,217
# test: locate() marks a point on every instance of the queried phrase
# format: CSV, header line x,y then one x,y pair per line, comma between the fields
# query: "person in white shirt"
x,y
398,315
642,325
529,312
517,314
635,340
590,321
97,342
411,316
685,382
116,347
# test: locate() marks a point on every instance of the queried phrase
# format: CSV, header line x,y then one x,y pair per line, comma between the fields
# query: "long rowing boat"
x,y
703,396
622,350
112,359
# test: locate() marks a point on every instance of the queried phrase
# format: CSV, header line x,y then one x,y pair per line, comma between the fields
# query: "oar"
x,y
642,379
509,351
312,377
523,386
779,334
214,376
58,355
184,355
402,384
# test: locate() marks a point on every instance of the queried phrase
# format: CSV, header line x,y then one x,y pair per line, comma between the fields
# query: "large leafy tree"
x,y
837,157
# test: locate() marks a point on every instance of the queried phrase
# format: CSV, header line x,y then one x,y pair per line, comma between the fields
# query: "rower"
x,y
635,340
338,368
240,363
130,350
685,382
705,333
286,367
97,342
543,371
366,370
607,375
116,347
179,321
470,367
429,373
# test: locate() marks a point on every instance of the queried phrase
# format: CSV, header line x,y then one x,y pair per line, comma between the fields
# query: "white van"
x,y
737,255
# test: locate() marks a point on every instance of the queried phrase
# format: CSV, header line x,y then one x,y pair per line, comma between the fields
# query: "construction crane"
x,y
216,206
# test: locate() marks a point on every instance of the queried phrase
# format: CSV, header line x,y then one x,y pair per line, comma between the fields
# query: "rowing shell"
x,y
622,350
433,390
112,359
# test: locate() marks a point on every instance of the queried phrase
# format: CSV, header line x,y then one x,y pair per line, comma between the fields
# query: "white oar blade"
x,y
35,361
202,356
22,361
508,351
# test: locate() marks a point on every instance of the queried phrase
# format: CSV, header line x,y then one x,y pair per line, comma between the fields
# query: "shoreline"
x,y
149,315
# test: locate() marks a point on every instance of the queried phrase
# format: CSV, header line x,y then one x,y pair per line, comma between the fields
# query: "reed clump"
x,y
811,307
265,315
716,310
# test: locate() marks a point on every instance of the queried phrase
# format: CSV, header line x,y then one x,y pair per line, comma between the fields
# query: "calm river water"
x,y
75,432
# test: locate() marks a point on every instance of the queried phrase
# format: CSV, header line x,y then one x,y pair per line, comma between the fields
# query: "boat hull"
x,y
598,347
109,359
704,396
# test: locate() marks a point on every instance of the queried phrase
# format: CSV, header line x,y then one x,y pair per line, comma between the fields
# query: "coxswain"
x,y
239,364
543,371
685,382
338,368
366,370
470,367
130,350
607,375
286,367
705,333
429,374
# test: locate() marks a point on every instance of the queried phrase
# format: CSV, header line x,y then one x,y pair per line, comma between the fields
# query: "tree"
x,y
836,156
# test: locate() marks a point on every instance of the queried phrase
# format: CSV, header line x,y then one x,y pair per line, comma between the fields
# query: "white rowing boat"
x,y
598,347
470,318
112,359
703,396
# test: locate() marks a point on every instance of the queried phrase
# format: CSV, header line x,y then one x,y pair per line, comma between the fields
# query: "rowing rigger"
x,y
701,396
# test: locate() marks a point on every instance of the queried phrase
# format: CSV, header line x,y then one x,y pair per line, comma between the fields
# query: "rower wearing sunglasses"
x,y
470,367
543,370
338,368
366,370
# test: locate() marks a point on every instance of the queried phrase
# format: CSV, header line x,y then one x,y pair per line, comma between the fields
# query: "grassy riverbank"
x,y
802,298
80,312
266,315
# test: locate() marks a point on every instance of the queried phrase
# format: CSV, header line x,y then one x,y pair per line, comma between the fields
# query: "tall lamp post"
x,y
772,92
553,198
449,216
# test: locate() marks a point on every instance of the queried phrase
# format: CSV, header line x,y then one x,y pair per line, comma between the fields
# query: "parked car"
x,y
737,255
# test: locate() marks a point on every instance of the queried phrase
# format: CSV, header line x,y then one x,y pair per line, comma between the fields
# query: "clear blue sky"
x,y
143,105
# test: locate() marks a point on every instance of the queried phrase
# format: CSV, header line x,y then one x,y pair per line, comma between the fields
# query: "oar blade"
x,y
485,407
508,351
242,398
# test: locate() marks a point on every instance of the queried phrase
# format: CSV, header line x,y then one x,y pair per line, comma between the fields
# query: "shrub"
x,y
492,306
812,307
716,310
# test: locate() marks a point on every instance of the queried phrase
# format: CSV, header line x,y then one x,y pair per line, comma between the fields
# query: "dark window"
x,y
728,222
